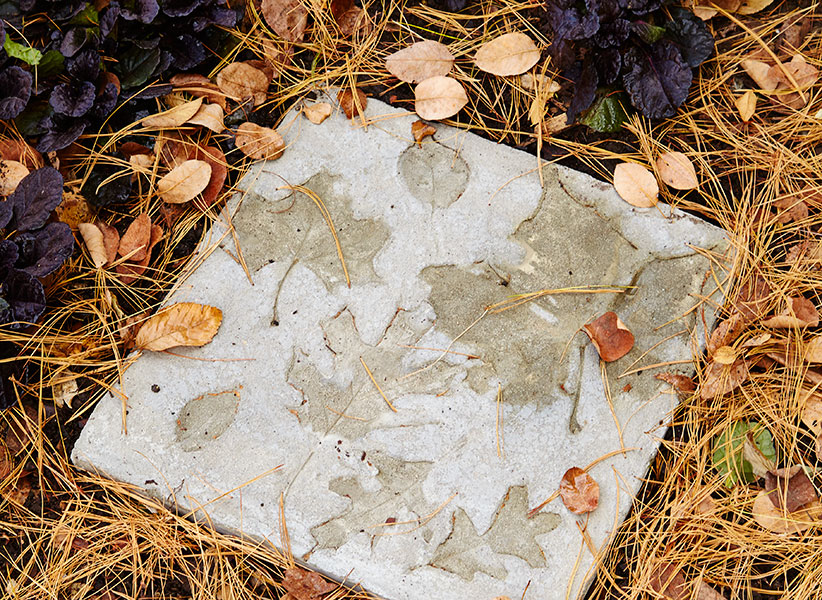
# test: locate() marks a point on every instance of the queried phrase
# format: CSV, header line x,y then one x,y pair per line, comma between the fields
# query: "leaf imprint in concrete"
x,y
391,475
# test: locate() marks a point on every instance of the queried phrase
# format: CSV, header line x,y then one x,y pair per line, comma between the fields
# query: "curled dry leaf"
x,y
420,61
790,489
804,74
129,271
64,390
800,312
11,173
668,581
317,112
287,18
219,171
262,143
209,116
199,86
746,105
721,379
761,73
181,324
610,336
509,54
240,80
93,238
134,243
636,185
681,383
352,106
74,209
421,129
173,117
677,171
439,98
776,520
756,340
111,240
306,585
184,181
579,491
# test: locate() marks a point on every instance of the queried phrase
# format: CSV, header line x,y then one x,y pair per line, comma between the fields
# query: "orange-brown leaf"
x,y
800,312
579,491
667,580
681,383
134,243
677,171
306,585
721,379
184,182
288,18
350,106
182,324
262,143
240,80
173,117
420,61
610,336
789,488
421,129
317,112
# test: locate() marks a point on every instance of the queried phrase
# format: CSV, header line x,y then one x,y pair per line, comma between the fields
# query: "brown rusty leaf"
x,y
306,585
219,171
287,18
680,383
776,520
134,243
184,182
761,73
354,21
421,129
726,332
181,324
579,491
754,297
420,61
439,98
111,240
317,112
667,580
20,151
352,107
610,336
129,271
200,87
790,488
636,185
746,105
706,592
240,80
209,116
721,379
800,313
262,143
173,117
74,209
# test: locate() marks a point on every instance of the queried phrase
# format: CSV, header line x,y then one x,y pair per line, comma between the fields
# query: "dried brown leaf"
x,y
20,151
804,74
11,173
199,86
64,391
239,80
681,383
74,209
812,413
111,240
420,61
421,129
761,73
134,243
130,271
790,488
667,580
721,379
610,336
317,112
636,185
746,105
352,107
209,116
749,7
725,355
706,592
287,18
354,21
439,98
306,585
753,299
579,491
181,324
776,520
219,172
184,182
173,117
676,170
800,313
509,54
262,143
95,245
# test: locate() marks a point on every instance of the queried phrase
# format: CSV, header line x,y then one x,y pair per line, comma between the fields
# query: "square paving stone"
x,y
427,497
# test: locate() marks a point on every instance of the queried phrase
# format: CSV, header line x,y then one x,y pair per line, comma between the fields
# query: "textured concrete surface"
x,y
417,503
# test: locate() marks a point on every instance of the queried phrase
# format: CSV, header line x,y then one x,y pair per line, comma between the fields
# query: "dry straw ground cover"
x,y
723,511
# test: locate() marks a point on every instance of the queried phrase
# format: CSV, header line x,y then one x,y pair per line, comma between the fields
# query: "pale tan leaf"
x,y
173,117
95,245
64,390
421,129
804,74
725,355
111,240
780,521
317,112
182,324
706,592
746,105
439,98
141,163
134,243
199,86
610,336
555,124
800,313
676,170
813,350
761,73
756,340
636,185
262,143
579,491
288,18
749,7
721,379
509,54
184,182
420,61
535,82
209,116
11,173
812,413
240,80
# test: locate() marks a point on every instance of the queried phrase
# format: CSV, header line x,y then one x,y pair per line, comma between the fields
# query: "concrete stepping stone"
x,y
425,492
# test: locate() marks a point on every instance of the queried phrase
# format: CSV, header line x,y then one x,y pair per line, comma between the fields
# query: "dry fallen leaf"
x,y
421,129
721,379
240,80
184,182
746,105
790,488
134,243
93,238
262,143
306,585
761,73
676,170
812,413
706,592
111,240
667,580
129,271
777,520
610,336
199,86
173,117
219,171
754,298
317,112
800,313
813,350
420,61
181,324
579,491
534,82
288,18
636,185
209,116
11,173
354,20
439,98
74,209
749,7
64,391
509,54
350,107
725,355
791,208
681,383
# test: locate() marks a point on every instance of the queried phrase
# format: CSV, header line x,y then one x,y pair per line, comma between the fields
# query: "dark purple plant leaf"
x,y
105,102
642,7
108,18
85,65
186,52
137,65
449,5
63,10
2,32
25,295
153,91
37,194
15,91
585,88
103,188
73,99
690,35
614,34
143,11
62,132
74,40
570,22
609,65
49,249
180,8
658,80
8,256
6,211
215,15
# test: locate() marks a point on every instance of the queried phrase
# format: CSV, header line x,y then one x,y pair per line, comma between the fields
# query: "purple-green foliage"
x,y
637,45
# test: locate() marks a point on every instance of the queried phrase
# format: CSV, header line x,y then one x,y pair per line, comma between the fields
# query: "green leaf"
x,y
29,55
137,65
729,447
29,121
606,115
52,63
648,33
87,16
